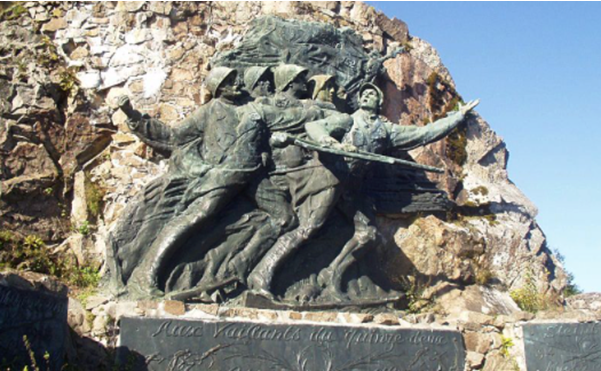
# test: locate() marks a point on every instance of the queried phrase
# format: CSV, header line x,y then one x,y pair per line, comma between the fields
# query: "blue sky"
x,y
536,66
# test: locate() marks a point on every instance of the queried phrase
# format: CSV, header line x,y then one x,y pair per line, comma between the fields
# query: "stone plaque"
x,y
41,317
563,346
169,344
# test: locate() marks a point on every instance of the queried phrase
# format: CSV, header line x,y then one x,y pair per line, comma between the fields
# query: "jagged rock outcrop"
x,y
67,154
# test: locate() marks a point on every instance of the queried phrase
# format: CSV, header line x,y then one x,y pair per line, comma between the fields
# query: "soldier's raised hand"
x,y
464,109
125,105
133,116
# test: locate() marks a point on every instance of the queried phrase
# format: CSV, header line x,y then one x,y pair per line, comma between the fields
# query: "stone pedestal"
x,y
33,321
178,344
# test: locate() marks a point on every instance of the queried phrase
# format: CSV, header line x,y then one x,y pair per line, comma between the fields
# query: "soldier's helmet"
x,y
369,85
216,78
284,74
319,82
252,75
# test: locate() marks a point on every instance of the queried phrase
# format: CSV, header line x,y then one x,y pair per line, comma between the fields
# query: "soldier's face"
x,y
299,84
369,100
326,94
230,88
262,88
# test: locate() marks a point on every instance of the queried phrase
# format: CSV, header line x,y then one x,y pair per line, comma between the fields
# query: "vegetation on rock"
x,y
416,300
440,105
11,11
527,297
31,253
94,197
571,288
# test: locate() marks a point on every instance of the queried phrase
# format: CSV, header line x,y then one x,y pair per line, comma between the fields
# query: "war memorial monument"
x,y
264,186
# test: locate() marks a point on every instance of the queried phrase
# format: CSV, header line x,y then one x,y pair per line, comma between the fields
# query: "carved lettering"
x,y
170,330
573,346
567,330
419,338
323,335
40,316
247,346
257,332
31,307
356,336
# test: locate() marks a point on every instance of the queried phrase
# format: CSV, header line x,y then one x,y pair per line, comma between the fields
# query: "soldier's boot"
x,y
331,277
262,276
241,264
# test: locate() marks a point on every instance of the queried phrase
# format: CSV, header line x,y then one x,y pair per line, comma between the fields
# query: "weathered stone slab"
x,y
42,317
563,346
170,344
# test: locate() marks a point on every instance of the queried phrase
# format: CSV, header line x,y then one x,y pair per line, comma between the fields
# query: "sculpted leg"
x,y
274,201
365,236
140,222
313,213
244,261
261,277
219,190
203,200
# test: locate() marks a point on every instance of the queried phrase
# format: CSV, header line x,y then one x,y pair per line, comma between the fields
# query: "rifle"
x,y
361,155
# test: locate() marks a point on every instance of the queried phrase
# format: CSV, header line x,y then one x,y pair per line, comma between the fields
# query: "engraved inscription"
x,y
24,307
563,347
40,316
189,345
256,332
323,335
169,329
357,337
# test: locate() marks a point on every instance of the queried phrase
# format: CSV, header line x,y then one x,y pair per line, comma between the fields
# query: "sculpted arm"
x,y
158,135
330,129
409,137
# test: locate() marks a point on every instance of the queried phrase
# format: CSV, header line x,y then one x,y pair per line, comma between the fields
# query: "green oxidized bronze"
x,y
264,190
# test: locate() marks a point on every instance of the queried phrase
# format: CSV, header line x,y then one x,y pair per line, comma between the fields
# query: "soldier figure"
x,y
371,132
312,184
217,150
257,81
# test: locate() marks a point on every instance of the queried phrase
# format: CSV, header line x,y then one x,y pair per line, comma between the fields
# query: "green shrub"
x,y
13,12
414,292
84,228
68,80
31,253
457,140
456,143
84,277
47,54
483,276
94,198
571,288
527,297
506,344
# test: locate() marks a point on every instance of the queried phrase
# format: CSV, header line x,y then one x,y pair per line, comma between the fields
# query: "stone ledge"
x,y
32,281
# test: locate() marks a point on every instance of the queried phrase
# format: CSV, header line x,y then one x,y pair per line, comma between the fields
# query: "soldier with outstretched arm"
x,y
371,132
287,190
216,151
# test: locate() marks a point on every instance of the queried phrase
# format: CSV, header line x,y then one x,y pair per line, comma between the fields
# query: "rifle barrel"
x,y
367,156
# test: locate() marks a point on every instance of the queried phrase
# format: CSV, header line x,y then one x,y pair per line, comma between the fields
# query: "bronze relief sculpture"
x,y
264,188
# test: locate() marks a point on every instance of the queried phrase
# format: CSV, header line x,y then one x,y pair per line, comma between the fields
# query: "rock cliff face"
x,y
70,163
